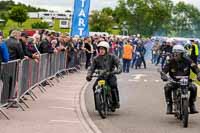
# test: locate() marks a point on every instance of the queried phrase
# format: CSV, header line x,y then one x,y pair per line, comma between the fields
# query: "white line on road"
x,y
132,80
64,121
157,80
64,99
54,107
138,76
145,80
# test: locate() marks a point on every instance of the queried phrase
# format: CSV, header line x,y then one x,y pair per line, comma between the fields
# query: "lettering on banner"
x,y
81,22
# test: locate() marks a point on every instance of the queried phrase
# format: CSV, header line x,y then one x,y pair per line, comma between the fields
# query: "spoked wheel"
x,y
100,105
185,113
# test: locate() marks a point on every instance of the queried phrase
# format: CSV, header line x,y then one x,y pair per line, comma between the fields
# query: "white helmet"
x,y
178,49
104,44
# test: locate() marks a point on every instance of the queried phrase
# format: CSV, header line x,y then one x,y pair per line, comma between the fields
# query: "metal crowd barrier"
x,y
20,77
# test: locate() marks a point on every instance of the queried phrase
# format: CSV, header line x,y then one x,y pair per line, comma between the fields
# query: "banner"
x,y
80,18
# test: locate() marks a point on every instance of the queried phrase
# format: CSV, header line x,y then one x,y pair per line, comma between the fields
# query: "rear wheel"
x,y
185,113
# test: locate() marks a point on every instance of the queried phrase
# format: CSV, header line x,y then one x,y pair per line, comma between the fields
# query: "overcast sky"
x,y
62,5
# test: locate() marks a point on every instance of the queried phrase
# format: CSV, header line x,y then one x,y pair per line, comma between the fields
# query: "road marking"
x,y
138,76
132,80
157,80
64,99
145,80
64,121
54,107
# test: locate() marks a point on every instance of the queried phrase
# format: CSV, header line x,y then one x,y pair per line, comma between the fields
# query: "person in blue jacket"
x,y
3,49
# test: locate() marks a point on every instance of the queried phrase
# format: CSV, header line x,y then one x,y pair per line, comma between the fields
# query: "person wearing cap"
x,y
24,42
194,51
179,65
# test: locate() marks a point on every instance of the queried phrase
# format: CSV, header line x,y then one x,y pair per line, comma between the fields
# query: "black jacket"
x,y
15,49
45,47
25,49
180,68
108,62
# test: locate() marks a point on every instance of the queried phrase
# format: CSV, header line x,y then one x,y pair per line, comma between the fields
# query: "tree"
x,y
100,21
186,20
18,14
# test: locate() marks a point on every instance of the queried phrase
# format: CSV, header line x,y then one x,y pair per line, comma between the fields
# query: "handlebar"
x,y
99,73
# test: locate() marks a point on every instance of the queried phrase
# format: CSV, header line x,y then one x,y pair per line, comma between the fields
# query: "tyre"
x,y
185,113
100,105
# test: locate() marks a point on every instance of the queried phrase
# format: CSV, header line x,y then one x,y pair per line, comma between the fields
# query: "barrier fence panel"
x,y
9,73
35,72
24,77
43,67
48,70
58,56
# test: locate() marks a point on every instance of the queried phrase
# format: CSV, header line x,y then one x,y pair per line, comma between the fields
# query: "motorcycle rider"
x,y
179,65
110,64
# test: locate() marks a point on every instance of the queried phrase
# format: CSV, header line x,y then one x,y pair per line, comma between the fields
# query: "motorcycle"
x,y
103,95
180,98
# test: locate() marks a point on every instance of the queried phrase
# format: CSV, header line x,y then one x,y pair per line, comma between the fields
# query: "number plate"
x,y
101,82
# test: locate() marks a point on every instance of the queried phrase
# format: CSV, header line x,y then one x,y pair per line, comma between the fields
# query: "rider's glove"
x,y
164,77
198,76
88,78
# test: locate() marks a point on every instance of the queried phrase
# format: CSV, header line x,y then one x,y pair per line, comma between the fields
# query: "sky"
x,y
62,5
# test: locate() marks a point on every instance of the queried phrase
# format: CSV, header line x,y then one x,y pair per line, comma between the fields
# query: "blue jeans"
x,y
126,65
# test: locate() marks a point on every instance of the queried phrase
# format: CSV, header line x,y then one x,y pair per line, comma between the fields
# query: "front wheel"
x,y
185,113
100,105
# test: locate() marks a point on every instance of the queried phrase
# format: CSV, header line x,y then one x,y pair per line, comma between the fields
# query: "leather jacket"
x,y
108,62
180,68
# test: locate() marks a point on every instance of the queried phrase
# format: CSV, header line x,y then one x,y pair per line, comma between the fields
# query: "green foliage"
x,y
100,21
6,5
149,17
40,25
186,21
18,14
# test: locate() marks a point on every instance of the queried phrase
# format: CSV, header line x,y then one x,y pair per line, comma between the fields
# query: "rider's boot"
x,y
193,109
192,99
168,97
115,97
169,108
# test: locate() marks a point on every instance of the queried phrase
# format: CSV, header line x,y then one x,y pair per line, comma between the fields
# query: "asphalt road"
x,y
142,107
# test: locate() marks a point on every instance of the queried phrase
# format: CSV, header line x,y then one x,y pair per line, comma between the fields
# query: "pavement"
x,y
55,111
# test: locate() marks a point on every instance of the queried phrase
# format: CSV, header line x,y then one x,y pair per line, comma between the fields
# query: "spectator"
x,y
31,48
4,56
127,56
14,46
194,51
45,45
89,51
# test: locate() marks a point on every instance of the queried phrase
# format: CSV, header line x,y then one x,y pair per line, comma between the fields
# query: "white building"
x,y
50,15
